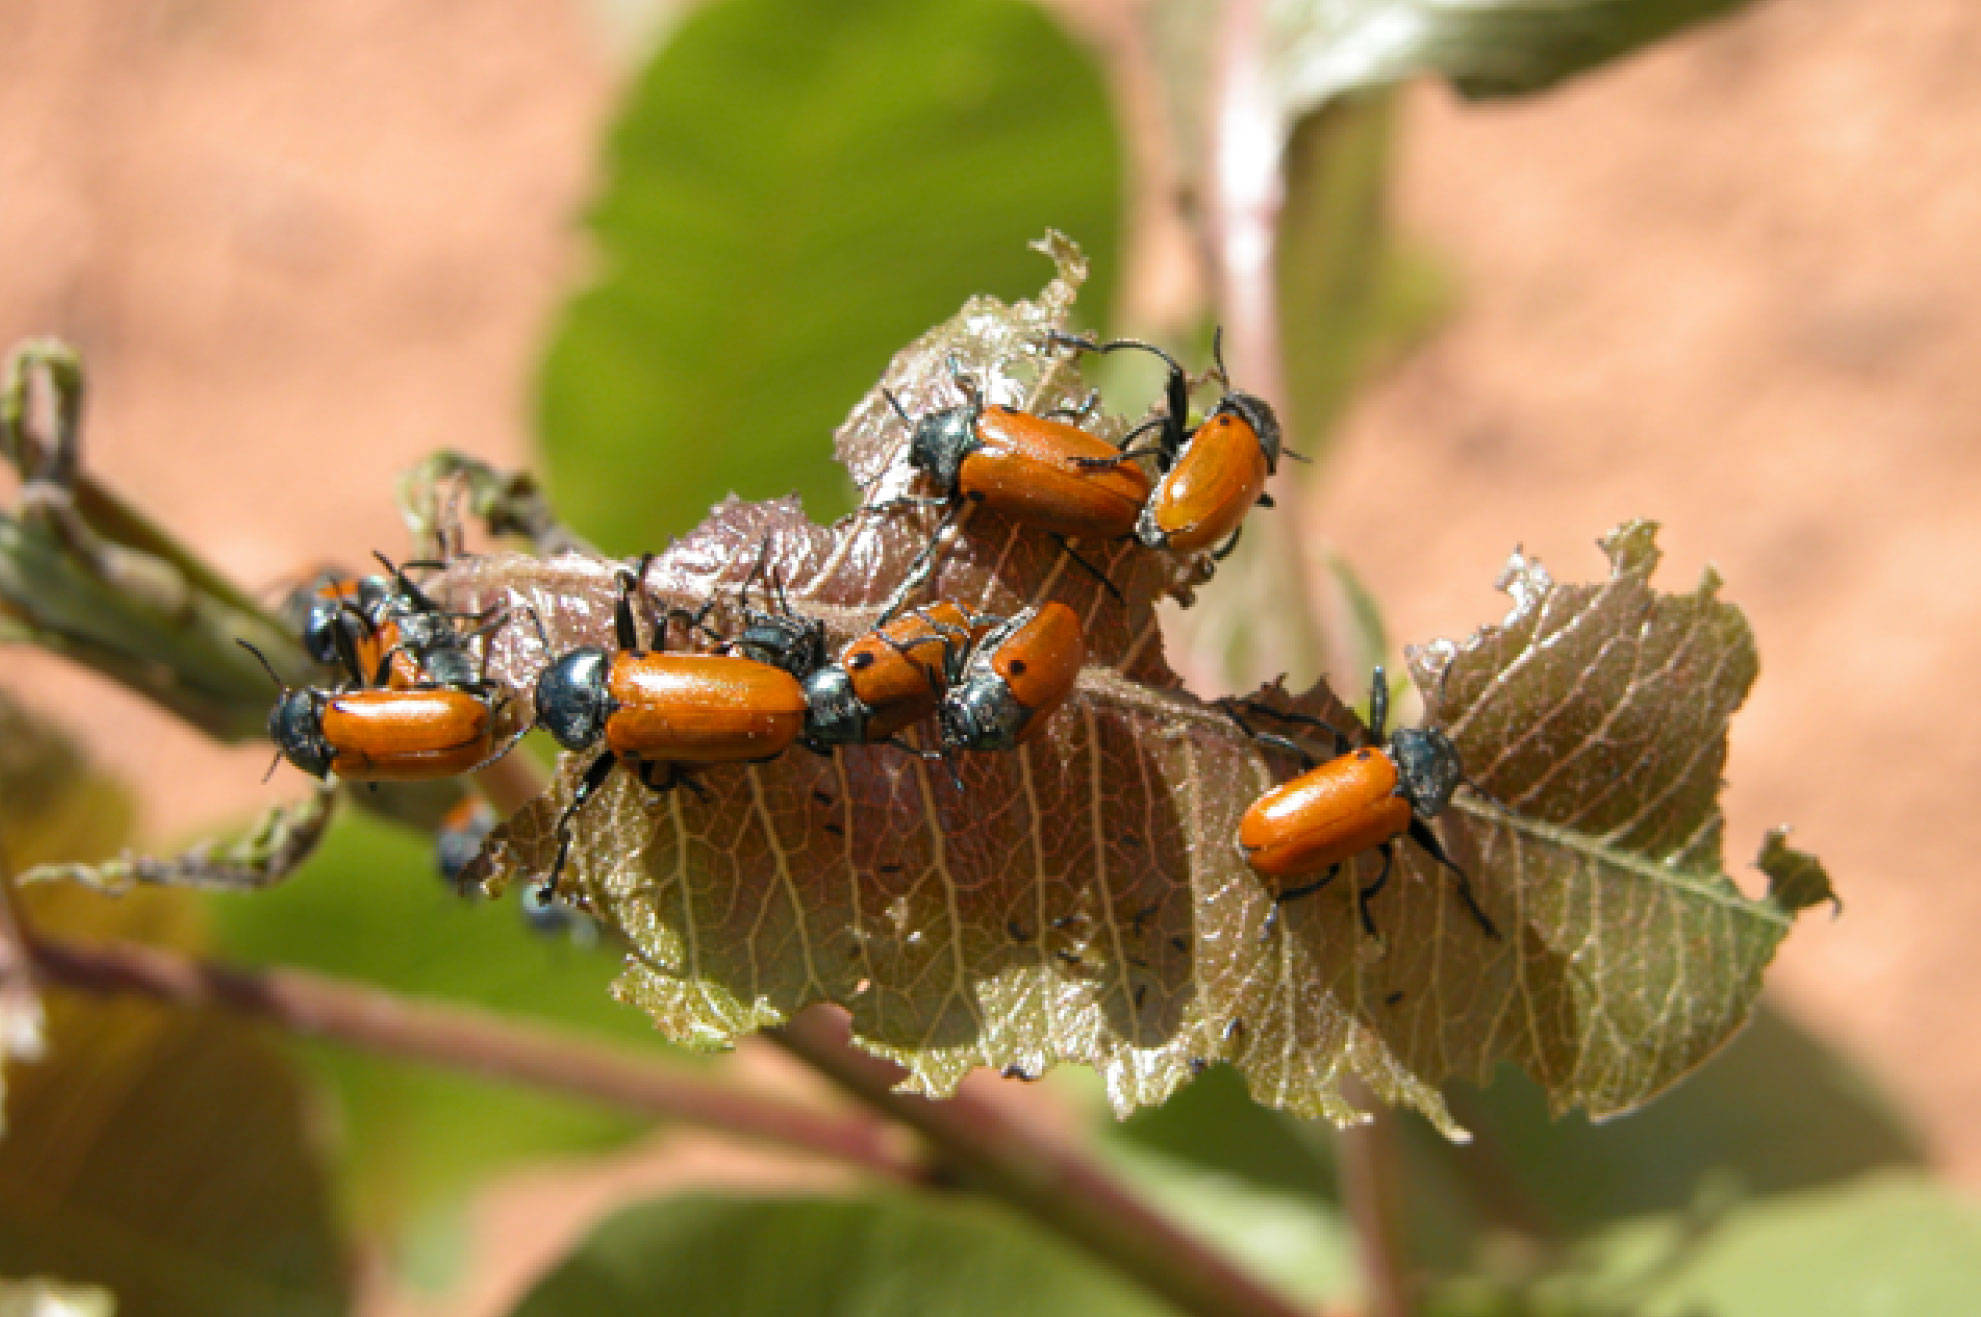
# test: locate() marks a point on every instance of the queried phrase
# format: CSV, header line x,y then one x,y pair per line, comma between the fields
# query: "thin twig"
x,y
471,1040
1048,1181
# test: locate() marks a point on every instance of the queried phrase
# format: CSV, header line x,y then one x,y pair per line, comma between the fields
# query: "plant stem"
x,y
1046,1180
469,1040
1247,192
1369,1191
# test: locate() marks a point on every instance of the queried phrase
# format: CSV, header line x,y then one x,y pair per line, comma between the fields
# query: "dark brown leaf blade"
x,y
1081,900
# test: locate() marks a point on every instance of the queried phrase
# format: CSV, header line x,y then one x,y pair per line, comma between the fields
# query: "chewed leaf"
x,y
1595,719
1082,899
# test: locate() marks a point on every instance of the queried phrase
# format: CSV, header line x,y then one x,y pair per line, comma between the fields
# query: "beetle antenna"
x,y
266,666
1217,356
895,403
272,765
1378,705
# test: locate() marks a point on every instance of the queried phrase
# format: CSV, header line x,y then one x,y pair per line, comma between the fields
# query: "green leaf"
x,y
168,1156
1883,1244
370,906
1776,1111
1318,50
876,1256
1321,48
792,192
1298,1243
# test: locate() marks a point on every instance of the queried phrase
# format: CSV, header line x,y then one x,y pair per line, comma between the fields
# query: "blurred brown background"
x,y
1733,285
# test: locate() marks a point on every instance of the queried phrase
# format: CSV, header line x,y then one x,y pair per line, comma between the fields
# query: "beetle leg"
x,y
1343,743
1294,894
588,786
1080,413
1091,570
1275,741
1420,832
1223,551
1368,894
922,568
1265,501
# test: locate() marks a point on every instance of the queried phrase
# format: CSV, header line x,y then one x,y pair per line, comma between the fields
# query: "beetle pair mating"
x,y
417,703
1363,798
992,682
1050,476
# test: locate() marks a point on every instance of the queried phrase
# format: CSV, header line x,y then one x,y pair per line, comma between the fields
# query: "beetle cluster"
x,y
417,703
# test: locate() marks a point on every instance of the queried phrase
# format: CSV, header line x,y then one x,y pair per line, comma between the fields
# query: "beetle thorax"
x,y
573,698
1428,769
942,440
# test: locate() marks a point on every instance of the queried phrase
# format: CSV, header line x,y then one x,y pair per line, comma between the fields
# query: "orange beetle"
x,y
1362,799
381,735
458,839
1046,475
881,683
1012,679
661,714
893,676
1210,477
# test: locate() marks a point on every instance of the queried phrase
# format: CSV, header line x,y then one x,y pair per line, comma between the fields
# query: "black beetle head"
x,y
1428,769
942,440
295,724
1257,413
573,700
834,715
981,713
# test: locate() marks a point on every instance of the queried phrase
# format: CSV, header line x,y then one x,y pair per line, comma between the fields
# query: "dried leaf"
x,y
271,849
1083,899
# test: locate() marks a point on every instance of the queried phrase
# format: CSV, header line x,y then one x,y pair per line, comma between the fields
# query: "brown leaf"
x,y
1080,900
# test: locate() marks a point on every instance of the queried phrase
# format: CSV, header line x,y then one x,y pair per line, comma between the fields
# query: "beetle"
x,y
1046,475
1362,799
400,637
458,839
660,714
882,682
1012,679
379,734
1209,477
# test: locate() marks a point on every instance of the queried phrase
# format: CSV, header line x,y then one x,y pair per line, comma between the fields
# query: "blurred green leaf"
x,y
1321,48
1215,1124
1776,1111
1293,1240
165,1155
793,192
873,1256
1317,50
1351,294
1896,1243
371,907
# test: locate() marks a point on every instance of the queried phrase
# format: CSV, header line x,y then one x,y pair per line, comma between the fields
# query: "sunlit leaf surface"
x,y
1083,900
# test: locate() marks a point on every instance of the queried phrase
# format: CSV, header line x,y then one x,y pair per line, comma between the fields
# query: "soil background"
x,y
1732,284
